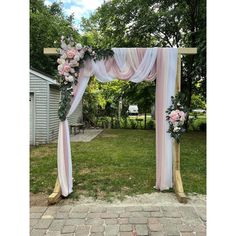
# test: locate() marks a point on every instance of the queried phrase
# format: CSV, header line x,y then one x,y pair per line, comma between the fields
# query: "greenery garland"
x,y
176,116
72,58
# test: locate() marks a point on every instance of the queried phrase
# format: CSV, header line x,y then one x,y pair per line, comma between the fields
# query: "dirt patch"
x,y
85,171
39,199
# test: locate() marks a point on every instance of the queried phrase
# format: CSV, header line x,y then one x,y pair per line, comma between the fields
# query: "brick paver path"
x,y
166,218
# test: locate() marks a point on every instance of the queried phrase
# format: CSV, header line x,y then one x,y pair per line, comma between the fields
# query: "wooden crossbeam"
x,y
177,180
183,51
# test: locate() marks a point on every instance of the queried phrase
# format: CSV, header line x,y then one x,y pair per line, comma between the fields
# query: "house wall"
x,y
54,97
39,88
53,116
46,101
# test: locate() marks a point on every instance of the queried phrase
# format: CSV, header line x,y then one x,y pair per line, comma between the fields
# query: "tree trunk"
x,y
145,120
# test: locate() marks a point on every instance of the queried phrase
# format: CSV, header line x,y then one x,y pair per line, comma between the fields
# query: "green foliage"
x,y
151,124
47,24
177,129
78,54
198,123
65,101
197,102
162,23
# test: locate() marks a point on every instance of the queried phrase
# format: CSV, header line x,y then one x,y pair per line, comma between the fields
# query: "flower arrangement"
x,y
176,116
72,58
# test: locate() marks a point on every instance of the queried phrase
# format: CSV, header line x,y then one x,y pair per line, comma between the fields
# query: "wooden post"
x,y
56,195
177,180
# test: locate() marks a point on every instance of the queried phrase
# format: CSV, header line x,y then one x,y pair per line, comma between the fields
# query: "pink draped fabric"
x,y
136,65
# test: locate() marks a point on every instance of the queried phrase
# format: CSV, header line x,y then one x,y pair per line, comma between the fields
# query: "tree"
x,y
47,24
142,94
162,23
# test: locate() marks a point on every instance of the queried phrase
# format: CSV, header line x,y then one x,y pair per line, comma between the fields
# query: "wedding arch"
x,y
136,65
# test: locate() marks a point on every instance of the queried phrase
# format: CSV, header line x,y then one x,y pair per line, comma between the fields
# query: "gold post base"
x,y
55,197
178,186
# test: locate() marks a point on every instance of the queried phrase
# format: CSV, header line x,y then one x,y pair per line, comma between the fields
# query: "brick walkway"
x,y
166,218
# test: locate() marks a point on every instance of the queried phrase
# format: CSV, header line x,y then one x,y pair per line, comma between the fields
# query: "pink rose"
x,y
64,69
174,116
71,53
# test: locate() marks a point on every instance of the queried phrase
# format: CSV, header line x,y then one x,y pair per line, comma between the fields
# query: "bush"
x,y
197,124
202,127
133,124
150,124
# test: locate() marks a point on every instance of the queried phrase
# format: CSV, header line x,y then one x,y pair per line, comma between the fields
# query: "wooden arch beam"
x,y
177,179
182,51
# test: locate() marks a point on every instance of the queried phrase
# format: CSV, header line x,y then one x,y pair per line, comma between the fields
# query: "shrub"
x,y
202,127
133,124
150,124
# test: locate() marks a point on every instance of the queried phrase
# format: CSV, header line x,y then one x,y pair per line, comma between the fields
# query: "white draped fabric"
x,y
136,65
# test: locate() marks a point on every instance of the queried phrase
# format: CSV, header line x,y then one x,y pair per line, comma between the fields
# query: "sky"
x,y
80,8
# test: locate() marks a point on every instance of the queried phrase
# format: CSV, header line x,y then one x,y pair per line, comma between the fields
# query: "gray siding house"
x,y
44,99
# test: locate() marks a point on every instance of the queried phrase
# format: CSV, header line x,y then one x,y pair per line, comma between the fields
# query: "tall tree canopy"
x,y
47,24
149,23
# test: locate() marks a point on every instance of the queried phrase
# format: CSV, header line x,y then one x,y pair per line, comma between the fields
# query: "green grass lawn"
x,y
118,162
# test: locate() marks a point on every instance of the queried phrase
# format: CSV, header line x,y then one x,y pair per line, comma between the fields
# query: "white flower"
x,y
77,57
182,119
176,129
70,78
73,63
78,46
175,124
63,45
64,56
61,61
60,67
72,70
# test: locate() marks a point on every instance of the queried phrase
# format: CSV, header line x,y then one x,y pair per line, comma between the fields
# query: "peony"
x,y
64,69
174,116
71,53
